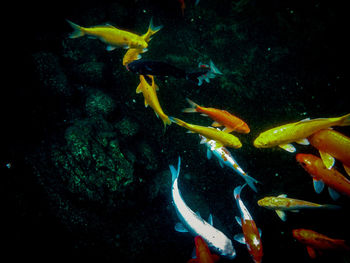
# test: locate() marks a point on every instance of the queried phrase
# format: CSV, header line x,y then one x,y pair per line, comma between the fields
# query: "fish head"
x,y
234,142
308,162
265,202
262,141
302,235
272,202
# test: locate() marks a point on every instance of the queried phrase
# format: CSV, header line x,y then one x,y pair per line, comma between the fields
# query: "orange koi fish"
x,y
134,53
110,35
335,181
332,144
150,95
203,254
251,234
317,242
281,204
220,117
284,135
222,138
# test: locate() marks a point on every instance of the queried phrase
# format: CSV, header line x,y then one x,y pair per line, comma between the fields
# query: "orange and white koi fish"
x,y
151,99
222,138
134,53
332,144
281,204
203,254
284,135
316,242
226,158
251,234
335,181
110,35
220,117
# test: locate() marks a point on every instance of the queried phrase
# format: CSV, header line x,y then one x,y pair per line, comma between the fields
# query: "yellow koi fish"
x,y
134,53
151,99
281,203
222,138
297,132
110,35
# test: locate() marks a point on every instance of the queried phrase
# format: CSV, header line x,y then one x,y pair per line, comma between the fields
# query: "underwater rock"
x,y
99,103
91,164
127,127
90,72
50,73
146,156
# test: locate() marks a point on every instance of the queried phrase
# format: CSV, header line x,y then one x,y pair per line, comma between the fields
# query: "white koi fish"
x,y
251,235
193,223
225,158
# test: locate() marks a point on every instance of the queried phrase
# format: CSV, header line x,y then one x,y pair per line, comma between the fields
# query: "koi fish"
x,y
134,53
297,132
193,223
332,144
281,204
210,75
316,242
203,254
251,234
221,138
335,181
225,158
220,117
160,68
110,35
150,95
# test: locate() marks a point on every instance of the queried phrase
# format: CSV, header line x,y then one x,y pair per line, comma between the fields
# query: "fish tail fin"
x,y
177,121
214,69
78,30
193,106
345,120
237,191
151,31
251,182
333,207
175,173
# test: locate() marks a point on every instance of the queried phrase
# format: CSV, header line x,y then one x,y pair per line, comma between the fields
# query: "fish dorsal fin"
x,y
327,159
282,195
198,214
104,26
210,219
305,120
281,215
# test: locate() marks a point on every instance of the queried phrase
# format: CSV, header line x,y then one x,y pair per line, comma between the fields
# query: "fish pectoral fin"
x,y
347,169
210,219
216,124
240,238
327,159
287,147
311,252
238,220
318,185
179,227
282,215
303,141
221,163
139,88
260,232
227,129
209,153
146,103
333,194
203,140
110,48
